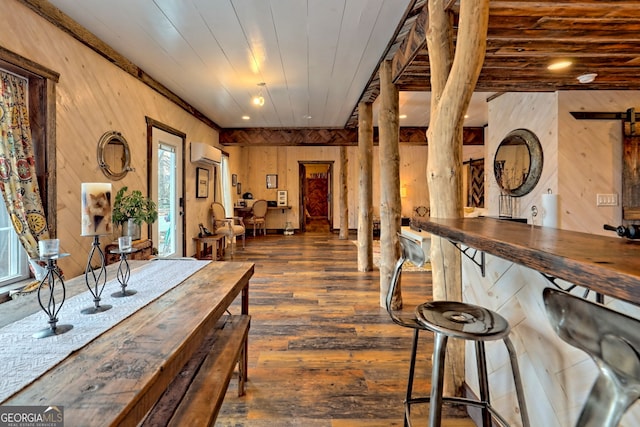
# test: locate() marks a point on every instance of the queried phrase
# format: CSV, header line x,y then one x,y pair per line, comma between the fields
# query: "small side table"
x,y
216,241
124,272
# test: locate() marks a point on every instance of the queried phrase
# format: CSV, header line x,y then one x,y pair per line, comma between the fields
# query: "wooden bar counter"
x,y
607,265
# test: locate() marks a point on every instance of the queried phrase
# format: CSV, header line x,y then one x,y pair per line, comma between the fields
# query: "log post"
x,y
453,79
390,204
344,194
365,186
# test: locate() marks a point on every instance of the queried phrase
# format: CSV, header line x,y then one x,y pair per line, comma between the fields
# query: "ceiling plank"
x,y
66,24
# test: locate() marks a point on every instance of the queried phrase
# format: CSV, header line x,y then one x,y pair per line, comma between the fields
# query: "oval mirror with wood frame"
x,y
114,157
518,162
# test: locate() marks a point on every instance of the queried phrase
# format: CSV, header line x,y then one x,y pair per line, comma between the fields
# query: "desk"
x,y
115,379
243,211
217,248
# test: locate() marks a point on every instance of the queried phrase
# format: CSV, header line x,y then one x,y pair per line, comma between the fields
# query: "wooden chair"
x,y
229,226
258,216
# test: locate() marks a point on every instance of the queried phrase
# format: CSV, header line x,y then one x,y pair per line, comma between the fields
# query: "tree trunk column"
x,y
453,79
390,203
365,186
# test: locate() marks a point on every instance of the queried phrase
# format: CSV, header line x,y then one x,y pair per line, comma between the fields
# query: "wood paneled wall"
x,y
581,159
252,164
93,97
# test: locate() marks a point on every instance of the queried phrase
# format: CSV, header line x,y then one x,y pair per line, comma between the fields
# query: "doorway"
x,y
166,152
316,198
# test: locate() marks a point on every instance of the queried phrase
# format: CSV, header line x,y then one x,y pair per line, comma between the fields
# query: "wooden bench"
x,y
195,396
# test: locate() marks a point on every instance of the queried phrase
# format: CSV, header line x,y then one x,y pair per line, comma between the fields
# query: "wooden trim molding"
x,y
247,137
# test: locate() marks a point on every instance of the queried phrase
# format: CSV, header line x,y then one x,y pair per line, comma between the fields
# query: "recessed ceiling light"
x,y
246,118
306,116
403,116
559,65
587,78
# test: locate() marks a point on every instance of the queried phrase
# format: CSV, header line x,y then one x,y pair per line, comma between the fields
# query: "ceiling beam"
x,y
248,137
413,43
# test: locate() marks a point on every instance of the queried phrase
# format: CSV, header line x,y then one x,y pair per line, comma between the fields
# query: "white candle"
x,y
96,208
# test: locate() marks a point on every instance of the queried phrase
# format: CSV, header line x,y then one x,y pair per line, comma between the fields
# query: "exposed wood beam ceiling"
x,y
162,44
524,37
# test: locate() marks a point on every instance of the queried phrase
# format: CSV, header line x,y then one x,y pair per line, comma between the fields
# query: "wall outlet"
x,y
607,199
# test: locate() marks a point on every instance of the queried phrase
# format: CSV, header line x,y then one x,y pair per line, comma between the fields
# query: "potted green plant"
x,y
131,210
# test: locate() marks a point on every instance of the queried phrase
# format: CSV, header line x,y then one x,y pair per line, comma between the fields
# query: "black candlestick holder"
x,y
124,272
52,307
96,278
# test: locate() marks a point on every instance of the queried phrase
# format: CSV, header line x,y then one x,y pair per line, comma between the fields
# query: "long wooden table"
x,y
117,378
606,265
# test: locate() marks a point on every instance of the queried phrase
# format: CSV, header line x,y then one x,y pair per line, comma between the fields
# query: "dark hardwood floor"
x,y
322,352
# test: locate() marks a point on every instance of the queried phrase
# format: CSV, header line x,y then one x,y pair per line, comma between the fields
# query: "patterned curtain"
x,y
17,167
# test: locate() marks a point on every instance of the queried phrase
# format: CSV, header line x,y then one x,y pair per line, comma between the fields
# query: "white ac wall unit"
x,y
201,152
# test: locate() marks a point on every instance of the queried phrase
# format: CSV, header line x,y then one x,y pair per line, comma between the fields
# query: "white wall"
x,y
581,159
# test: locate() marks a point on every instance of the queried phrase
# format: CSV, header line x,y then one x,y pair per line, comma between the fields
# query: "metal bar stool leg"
x,y
437,379
481,362
412,369
515,371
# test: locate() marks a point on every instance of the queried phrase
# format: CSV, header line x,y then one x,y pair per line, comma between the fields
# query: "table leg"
x,y
198,253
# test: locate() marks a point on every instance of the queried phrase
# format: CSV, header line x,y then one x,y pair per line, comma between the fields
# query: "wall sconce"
x,y
258,100
403,192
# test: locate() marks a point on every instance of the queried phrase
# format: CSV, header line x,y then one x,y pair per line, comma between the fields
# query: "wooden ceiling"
x,y
524,37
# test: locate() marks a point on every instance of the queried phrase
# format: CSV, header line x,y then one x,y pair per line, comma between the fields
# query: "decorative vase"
x,y
130,228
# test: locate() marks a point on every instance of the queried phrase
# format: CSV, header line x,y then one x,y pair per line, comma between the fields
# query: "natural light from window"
x,y
13,259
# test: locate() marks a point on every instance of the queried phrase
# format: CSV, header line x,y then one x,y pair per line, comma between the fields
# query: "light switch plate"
x,y
607,199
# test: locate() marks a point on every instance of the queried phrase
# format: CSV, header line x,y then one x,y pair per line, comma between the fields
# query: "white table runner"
x,y
25,358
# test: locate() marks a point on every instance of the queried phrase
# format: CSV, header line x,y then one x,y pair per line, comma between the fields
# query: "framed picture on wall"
x,y
272,181
202,183
234,179
239,188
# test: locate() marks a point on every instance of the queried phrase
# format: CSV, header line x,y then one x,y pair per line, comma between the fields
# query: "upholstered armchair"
x,y
258,216
231,227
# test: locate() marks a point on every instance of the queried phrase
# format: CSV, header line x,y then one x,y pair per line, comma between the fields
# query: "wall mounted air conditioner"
x,y
204,153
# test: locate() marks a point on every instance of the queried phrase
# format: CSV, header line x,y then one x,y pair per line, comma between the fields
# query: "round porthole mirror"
x,y
518,162
114,157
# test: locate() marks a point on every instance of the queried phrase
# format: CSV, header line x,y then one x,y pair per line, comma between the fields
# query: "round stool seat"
x,y
460,320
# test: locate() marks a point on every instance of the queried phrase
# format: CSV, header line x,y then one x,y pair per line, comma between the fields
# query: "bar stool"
x,y
472,323
412,252
612,340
